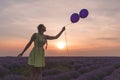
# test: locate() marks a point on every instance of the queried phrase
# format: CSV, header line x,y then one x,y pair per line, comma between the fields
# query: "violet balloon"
x,y
74,17
83,13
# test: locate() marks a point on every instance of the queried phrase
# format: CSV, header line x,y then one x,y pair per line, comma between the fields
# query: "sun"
x,y
60,45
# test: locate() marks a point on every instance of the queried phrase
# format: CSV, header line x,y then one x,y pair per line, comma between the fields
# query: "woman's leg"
x,y
32,73
39,73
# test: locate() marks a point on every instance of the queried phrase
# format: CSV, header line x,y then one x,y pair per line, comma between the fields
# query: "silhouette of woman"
x,y
36,59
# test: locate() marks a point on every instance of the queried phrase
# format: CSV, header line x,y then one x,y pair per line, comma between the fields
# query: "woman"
x,y
36,59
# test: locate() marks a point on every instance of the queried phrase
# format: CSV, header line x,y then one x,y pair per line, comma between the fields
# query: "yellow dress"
x,y
37,54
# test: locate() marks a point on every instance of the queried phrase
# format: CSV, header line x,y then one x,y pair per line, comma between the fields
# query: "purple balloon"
x,y
83,13
74,17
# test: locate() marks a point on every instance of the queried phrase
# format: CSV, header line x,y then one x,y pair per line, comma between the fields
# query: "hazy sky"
x,y
97,35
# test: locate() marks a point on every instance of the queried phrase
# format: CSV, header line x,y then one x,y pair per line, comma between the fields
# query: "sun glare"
x,y
61,45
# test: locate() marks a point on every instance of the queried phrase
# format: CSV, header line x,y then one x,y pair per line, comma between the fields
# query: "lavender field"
x,y
63,68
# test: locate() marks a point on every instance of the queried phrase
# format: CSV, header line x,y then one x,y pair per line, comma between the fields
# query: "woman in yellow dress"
x,y
36,59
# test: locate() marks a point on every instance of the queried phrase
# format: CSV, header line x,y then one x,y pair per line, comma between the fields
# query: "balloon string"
x,y
66,42
68,24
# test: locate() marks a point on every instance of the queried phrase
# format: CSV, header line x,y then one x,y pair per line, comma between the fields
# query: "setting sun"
x,y
60,45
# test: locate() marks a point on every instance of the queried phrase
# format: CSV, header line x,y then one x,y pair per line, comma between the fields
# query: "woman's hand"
x,y
63,28
20,55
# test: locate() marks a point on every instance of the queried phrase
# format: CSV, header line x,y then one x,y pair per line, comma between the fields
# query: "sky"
x,y
96,35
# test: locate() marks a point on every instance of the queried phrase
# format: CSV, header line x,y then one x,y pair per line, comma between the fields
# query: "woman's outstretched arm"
x,y
28,45
57,36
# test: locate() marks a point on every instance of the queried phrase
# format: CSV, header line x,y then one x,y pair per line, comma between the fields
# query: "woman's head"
x,y
41,28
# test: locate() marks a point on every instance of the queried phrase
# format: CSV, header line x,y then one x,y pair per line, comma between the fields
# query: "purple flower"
x,y
14,77
3,71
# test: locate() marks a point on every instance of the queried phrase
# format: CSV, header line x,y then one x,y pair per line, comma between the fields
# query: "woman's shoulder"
x,y
46,36
34,35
